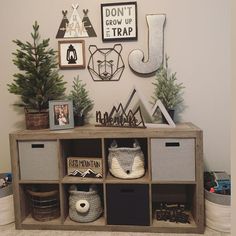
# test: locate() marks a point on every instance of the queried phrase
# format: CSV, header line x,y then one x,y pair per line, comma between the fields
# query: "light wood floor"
x,y
9,230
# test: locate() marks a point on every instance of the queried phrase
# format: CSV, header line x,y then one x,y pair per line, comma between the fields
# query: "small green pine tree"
x,y
39,81
82,104
166,89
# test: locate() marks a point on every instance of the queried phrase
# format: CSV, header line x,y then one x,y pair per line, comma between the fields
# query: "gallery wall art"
x,y
106,64
146,66
119,21
76,27
71,54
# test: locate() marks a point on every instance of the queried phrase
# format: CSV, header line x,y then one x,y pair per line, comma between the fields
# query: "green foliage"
x,y
39,81
82,104
166,87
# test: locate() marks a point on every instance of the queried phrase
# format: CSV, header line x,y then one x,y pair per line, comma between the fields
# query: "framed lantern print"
x,y
119,21
71,54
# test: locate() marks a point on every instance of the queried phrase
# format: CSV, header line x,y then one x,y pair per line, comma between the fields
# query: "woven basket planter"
x,y
36,120
84,206
126,163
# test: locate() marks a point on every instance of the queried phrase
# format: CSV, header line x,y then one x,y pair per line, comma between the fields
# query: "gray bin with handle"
x,y
173,159
38,160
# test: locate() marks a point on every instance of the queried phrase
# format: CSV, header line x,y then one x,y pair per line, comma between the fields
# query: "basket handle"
x,y
42,194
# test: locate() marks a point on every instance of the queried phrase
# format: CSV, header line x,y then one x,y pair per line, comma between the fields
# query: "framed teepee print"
x,y
71,54
75,26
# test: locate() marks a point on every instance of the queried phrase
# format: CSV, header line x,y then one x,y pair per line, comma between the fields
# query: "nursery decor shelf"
x,y
173,177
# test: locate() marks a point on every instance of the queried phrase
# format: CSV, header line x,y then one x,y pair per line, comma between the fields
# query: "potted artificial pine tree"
x,y
38,80
82,104
167,90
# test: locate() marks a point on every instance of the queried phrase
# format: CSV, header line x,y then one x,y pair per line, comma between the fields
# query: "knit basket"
x,y
84,206
126,162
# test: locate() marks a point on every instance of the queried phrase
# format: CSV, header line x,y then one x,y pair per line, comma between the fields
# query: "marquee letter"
x,y
155,48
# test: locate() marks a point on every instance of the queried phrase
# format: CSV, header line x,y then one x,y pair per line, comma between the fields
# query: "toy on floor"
x,y
6,180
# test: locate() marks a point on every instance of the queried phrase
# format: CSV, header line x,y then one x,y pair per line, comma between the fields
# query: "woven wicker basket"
x,y
85,206
126,163
44,205
36,120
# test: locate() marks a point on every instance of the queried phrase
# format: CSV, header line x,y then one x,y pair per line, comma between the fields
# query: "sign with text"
x,y
119,21
85,167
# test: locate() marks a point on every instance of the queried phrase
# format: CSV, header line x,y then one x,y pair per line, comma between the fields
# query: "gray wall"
x,y
197,39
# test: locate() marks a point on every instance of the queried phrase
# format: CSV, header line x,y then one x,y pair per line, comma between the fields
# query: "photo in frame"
x,y
61,114
119,21
71,54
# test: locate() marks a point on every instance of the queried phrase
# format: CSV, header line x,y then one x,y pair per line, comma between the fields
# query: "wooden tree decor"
x,y
119,118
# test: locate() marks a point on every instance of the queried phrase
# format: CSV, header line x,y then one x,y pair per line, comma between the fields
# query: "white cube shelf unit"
x,y
173,173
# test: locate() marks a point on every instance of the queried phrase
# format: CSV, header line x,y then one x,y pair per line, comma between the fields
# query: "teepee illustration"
x,y
87,24
75,28
62,28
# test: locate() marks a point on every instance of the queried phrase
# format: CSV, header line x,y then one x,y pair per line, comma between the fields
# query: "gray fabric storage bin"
x,y
85,206
38,160
173,159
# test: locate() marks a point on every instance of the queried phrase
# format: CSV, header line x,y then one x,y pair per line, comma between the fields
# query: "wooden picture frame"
x,y
71,54
119,21
61,114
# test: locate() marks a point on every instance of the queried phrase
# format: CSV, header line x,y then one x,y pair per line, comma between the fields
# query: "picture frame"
x,y
119,21
71,54
61,114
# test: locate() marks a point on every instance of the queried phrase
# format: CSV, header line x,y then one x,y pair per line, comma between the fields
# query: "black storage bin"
x,y
127,204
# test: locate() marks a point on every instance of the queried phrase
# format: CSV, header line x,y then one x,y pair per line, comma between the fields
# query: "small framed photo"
x,y
71,54
119,21
61,114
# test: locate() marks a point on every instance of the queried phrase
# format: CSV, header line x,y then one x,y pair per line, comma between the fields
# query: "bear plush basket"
x,y
84,206
126,162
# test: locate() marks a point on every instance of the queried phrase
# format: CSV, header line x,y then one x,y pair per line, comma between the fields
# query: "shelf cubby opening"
x,y
83,149
173,205
83,195
127,142
40,204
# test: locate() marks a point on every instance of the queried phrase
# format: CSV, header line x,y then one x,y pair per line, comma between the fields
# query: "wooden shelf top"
x,y
74,180
181,130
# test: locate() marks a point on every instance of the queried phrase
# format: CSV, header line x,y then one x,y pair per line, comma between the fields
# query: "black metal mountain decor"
x,y
119,118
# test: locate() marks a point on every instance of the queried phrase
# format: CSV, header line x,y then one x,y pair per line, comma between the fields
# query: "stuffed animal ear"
x,y
114,144
93,49
136,143
93,187
118,47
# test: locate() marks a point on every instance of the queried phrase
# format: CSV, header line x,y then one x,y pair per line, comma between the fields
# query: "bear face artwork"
x,y
106,64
